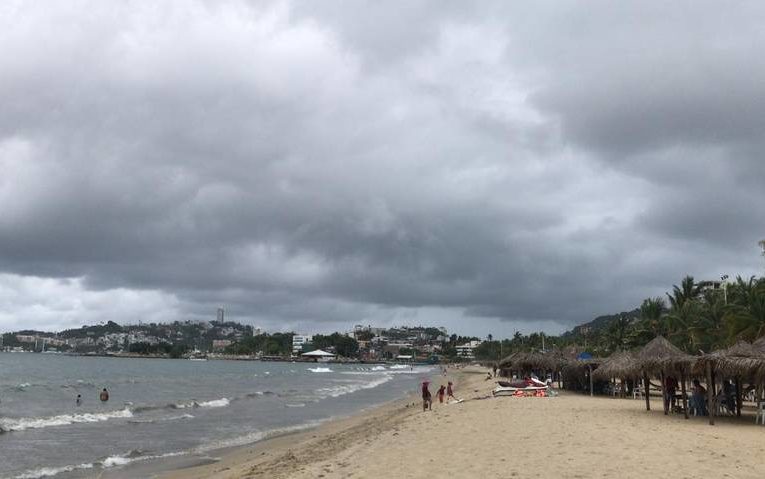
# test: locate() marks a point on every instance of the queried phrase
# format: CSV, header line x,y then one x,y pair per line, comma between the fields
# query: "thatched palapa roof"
x,y
620,364
527,361
741,359
661,355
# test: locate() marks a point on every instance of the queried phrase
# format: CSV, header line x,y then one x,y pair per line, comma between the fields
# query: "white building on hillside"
x,y
467,350
299,340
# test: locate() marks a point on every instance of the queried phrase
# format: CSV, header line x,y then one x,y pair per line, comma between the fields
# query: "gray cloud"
x,y
312,166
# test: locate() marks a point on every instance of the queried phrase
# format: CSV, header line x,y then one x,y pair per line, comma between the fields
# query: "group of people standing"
x,y
427,398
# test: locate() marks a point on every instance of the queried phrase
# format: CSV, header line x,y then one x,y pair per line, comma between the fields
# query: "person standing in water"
x,y
78,401
104,396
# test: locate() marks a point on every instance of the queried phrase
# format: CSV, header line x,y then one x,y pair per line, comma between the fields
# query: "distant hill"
x,y
601,322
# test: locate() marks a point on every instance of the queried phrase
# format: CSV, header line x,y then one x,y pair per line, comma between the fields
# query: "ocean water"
x,y
164,408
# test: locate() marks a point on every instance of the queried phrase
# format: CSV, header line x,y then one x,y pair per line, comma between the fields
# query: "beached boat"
x,y
510,388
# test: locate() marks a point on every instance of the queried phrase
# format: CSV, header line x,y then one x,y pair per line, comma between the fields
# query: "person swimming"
x,y
104,396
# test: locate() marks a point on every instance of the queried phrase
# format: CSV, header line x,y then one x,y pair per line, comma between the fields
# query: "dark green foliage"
x,y
339,343
277,344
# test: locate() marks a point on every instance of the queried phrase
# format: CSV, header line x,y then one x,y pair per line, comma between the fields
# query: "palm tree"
x,y
687,291
651,312
745,318
707,328
616,335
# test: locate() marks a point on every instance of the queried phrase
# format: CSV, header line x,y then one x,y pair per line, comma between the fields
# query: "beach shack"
x,y
741,362
620,365
318,356
660,358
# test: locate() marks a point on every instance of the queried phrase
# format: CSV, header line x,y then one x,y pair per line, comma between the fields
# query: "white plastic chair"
x,y
760,413
637,392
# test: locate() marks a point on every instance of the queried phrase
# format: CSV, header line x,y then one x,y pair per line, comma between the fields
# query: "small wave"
x,y
134,456
111,461
258,394
162,419
320,370
21,424
378,368
51,471
222,402
299,404
400,366
341,390
23,385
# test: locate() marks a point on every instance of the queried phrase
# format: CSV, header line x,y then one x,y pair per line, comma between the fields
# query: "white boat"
x,y
531,385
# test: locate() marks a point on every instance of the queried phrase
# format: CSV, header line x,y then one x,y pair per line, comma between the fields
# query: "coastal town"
x,y
222,339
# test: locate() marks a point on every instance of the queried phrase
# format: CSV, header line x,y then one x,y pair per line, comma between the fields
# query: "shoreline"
x,y
570,436
287,453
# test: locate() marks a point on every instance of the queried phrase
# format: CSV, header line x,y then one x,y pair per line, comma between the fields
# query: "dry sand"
x,y
569,436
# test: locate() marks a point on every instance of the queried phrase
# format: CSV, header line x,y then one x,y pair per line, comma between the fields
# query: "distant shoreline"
x,y
215,357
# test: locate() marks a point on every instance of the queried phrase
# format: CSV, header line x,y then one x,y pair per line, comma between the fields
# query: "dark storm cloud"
x,y
331,163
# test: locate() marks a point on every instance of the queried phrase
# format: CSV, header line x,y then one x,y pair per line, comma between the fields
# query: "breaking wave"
x,y
23,423
320,370
343,389
109,462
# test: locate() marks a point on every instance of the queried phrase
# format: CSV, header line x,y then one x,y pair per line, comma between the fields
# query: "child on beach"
x,y
427,400
441,392
449,391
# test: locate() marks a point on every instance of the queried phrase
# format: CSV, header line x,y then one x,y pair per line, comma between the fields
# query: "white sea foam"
x,y
320,370
378,368
20,424
343,389
116,461
222,402
400,366
134,456
51,471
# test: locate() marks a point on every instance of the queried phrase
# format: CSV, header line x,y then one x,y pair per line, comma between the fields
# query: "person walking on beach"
x,y
427,399
441,392
494,369
670,387
104,396
449,392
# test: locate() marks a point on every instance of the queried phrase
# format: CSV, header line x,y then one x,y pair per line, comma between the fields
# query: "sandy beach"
x,y
571,436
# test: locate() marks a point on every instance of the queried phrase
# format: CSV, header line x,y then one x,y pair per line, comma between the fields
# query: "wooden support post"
x,y
664,401
623,389
710,395
646,388
682,391
592,392
738,396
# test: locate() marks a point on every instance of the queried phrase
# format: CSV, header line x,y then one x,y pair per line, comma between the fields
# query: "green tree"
x,y
745,317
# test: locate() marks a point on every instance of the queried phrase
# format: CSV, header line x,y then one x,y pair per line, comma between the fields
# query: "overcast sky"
x,y
309,166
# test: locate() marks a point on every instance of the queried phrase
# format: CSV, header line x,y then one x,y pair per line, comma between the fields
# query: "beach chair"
x,y
637,392
760,413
